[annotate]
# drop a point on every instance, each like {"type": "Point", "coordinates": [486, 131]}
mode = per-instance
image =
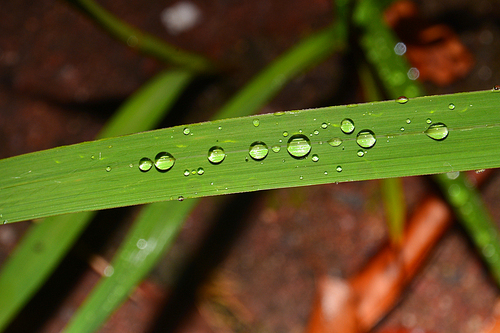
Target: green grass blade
{"type": "Point", "coordinates": [105, 173]}
{"type": "Point", "coordinates": [395, 208]}
{"type": "Point", "coordinates": [168, 216]}
{"type": "Point", "coordinates": [465, 201]}
{"type": "Point", "coordinates": [38, 254]}
{"type": "Point", "coordinates": [141, 41]}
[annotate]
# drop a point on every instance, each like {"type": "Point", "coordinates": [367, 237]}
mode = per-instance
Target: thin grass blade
{"type": "Point", "coordinates": [135, 258]}
{"type": "Point", "coordinates": [38, 254]}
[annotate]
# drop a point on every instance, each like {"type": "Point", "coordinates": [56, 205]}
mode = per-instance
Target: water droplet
{"type": "Point", "coordinates": [496, 88]}
{"type": "Point", "coordinates": [276, 148]}
{"type": "Point", "coordinates": [180, 198]}
{"type": "Point", "coordinates": [402, 129]}
{"type": "Point", "coordinates": [200, 171]}
{"type": "Point", "coordinates": [186, 131]}
{"type": "Point", "coordinates": [408, 121]}
{"type": "Point", "coordinates": [339, 168]}
{"type": "Point", "coordinates": [335, 142]}
{"type": "Point", "coordinates": [220, 127]}
{"type": "Point", "coordinates": [437, 131]}
{"type": "Point", "coordinates": [360, 153]}
{"type": "Point", "coordinates": [256, 122]}
{"type": "Point", "coordinates": [299, 146]}
{"type": "Point", "coordinates": [453, 174]}
{"type": "Point", "coordinates": [131, 165]}
{"type": "Point", "coordinates": [216, 155]}
{"type": "Point", "coordinates": [164, 161]}
{"type": "Point", "coordinates": [301, 177]}
{"type": "Point", "coordinates": [315, 158]}
{"type": "Point", "coordinates": [316, 132]}
{"type": "Point", "coordinates": [92, 157]}
{"type": "Point", "coordinates": [324, 125]}
{"type": "Point", "coordinates": [186, 172]}
{"type": "Point", "coordinates": [366, 139]}
{"type": "Point", "coordinates": [141, 244]}
{"type": "Point", "coordinates": [279, 113]}
{"type": "Point", "coordinates": [285, 134]}
{"type": "Point", "coordinates": [145, 164]}
{"type": "Point", "coordinates": [451, 106]}
{"type": "Point", "coordinates": [402, 100]}
{"type": "Point", "coordinates": [326, 172]}
{"type": "Point", "coordinates": [258, 150]}
{"type": "Point", "coordinates": [428, 121]}
{"type": "Point", "coordinates": [347, 126]}
{"type": "Point", "coordinates": [4, 222]}
{"type": "Point", "coordinates": [400, 48]}
{"type": "Point", "coordinates": [108, 271]}
{"type": "Point", "coordinates": [480, 171]}
{"type": "Point", "coordinates": [108, 168]}
{"type": "Point", "coordinates": [193, 172]}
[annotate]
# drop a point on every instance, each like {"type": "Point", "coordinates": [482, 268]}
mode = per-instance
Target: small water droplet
{"type": "Point", "coordinates": [339, 168]}
{"type": "Point", "coordinates": [180, 198]}
{"type": "Point", "coordinates": [108, 168]}
{"type": "Point", "coordinates": [141, 244]}
{"type": "Point", "coordinates": [316, 132]}
{"type": "Point", "coordinates": [301, 177]}
{"type": "Point", "coordinates": [366, 139]}
{"type": "Point", "coordinates": [451, 106]}
{"type": "Point", "coordinates": [4, 222]}
{"type": "Point", "coordinates": [186, 172]}
{"type": "Point", "coordinates": [256, 122]}
{"type": "Point", "coordinates": [220, 127]}
{"type": "Point", "coordinates": [164, 161]}
{"type": "Point", "coordinates": [496, 88]}
{"type": "Point", "coordinates": [276, 148]}
{"type": "Point", "coordinates": [347, 126]}
{"type": "Point", "coordinates": [186, 131]}
{"type": "Point", "coordinates": [145, 164]}
{"type": "Point", "coordinates": [200, 171]}
{"type": "Point", "coordinates": [258, 150]}
{"type": "Point", "coordinates": [402, 100]}
{"type": "Point", "coordinates": [453, 174]}
{"type": "Point", "coordinates": [326, 172]}
{"type": "Point", "coordinates": [335, 142]}
{"type": "Point", "coordinates": [216, 155]}
{"type": "Point", "coordinates": [402, 129]}
{"type": "Point", "coordinates": [480, 171]}
{"type": "Point", "coordinates": [92, 157]}
{"type": "Point", "coordinates": [437, 131]}
{"type": "Point", "coordinates": [285, 134]}
{"type": "Point", "coordinates": [131, 165]}
{"type": "Point", "coordinates": [279, 113]}
{"type": "Point", "coordinates": [428, 120]}
{"type": "Point", "coordinates": [408, 121]}
{"type": "Point", "coordinates": [324, 125]}
{"type": "Point", "coordinates": [299, 146]}
{"type": "Point", "coordinates": [108, 271]}
{"type": "Point", "coordinates": [193, 172]}
{"type": "Point", "coordinates": [315, 158]}
{"type": "Point", "coordinates": [360, 153]}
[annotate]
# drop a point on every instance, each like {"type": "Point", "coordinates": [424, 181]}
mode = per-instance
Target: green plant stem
{"type": "Point", "coordinates": [143, 42]}
{"type": "Point", "coordinates": [38, 254]}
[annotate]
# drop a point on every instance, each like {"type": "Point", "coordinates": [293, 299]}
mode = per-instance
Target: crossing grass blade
{"type": "Point", "coordinates": [37, 255]}
{"type": "Point", "coordinates": [105, 173]}
{"type": "Point", "coordinates": [132, 262]}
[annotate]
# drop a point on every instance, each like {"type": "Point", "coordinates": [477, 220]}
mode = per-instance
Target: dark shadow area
{"type": "Point", "coordinates": [214, 249]}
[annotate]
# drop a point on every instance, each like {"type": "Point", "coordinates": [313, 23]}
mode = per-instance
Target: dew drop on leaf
{"type": "Point", "coordinates": [299, 146]}
{"type": "Point", "coordinates": [200, 171]}
{"type": "Point", "coordinates": [276, 148]}
{"type": "Point", "coordinates": [339, 168]}
{"type": "Point", "coordinates": [164, 161]}
{"type": "Point", "coordinates": [186, 131]}
{"type": "Point", "coordinates": [316, 132]}
{"type": "Point", "coordinates": [258, 150]}
{"type": "Point", "coordinates": [402, 100]}
{"type": "Point", "coordinates": [335, 142]}
{"type": "Point", "coordinates": [186, 172]}
{"type": "Point", "coordinates": [408, 121]}
{"type": "Point", "coordinates": [145, 164]}
{"type": "Point", "coordinates": [451, 106]}
{"type": "Point", "coordinates": [347, 126]}
{"type": "Point", "coordinates": [437, 131]}
{"type": "Point", "coordinates": [496, 88]}
{"type": "Point", "coordinates": [324, 125]}
{"type": "Point", "coordinates": [285, 134]}
{"type": "Point", "coordinates": [180, 198]}
{"type": "Point", "coordinates": [366, 139]}
{"type": "Point", "coordinates": [360, 153]}
{"type": "Point", "coordinates": [216, 155]}
{"type": "Point", "coordinates": [256, 122]}
{"type": "Point", "coordinates": [108, 169]}
{"type": "Point", "coordinates": [428, 120]}
{"type": "Point", "coordinates": [315, 158]}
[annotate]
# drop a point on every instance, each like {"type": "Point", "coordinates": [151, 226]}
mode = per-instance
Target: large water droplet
{"type": "Point", "coordinates": [335, 142]}
{"type": "Point", "coordinates": [216, 155]}
{"type": "Point", "coordinates": [437, 131]}
{"type": "Point", "coordinates": [366, 139]}
{"type": "Point", "coordinates": [347, 126]}
{"type": "Point", "coordinates": [256, 122]}
{"type": "Point", "coordinates": [258, 150]}
{"type": "Point", "coordinates": [145, 164]}
{"type": "Point", "coordinates": [299, 146]}
{"type": "Point", "coordinates": [402, 100]}
{"type": "Point", "coordinates": [164, 161]}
